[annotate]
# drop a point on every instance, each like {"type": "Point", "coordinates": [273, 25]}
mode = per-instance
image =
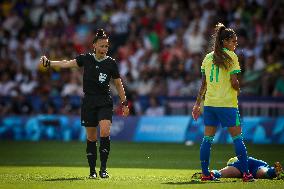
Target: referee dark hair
{"type": "Point", "coordinates": [97, 104]}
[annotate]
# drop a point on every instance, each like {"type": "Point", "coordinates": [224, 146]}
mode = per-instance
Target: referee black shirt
{"type": "Point", "coordinates": [97, 74]}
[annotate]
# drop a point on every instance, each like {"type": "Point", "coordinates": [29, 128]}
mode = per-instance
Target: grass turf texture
{"type": "Point", "coordinates": [132, 165]}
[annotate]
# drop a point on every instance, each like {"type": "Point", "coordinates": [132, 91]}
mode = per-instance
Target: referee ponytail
{"type": "Point", "coordinates": [220, 57]}
{"type": "Point", "coordinates": [100, 35]}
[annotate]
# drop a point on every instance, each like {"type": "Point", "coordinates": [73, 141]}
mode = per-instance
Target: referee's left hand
{"type": "Point", "coordinates": [125, 110]}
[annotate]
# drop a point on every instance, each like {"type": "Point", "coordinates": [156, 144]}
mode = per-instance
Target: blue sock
{"type": "Point", "coordinates": [205, 149]}
{"type": "Point", "coordinates": [241, 152]}
{"type": "Point", "coordinates": [270, 173]}
{"type": "Point", "coordinates": [216, 173]}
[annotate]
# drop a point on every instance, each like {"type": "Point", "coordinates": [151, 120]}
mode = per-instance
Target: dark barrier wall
{"type": "Point", "coordinates": [139, 129]}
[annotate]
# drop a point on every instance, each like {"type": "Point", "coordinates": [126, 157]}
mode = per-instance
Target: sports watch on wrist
{"type": "Point", "coordinates": [124, 103]}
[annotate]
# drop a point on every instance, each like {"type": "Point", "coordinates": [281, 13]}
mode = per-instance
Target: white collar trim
{"type": "Point", "coordinates": [100, 59]}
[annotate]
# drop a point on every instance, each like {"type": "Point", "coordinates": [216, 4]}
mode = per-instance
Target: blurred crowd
{"type": "Point", "coordinates": [158, 44]}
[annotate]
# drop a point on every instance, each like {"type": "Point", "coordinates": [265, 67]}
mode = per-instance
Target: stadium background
{"type": "Point", "coordinates": [159, 46]}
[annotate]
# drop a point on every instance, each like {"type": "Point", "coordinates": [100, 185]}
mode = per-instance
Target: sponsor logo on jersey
{"type": "Point", "coordinates": [102, 77]}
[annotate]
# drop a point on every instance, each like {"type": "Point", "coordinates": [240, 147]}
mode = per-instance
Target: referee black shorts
{"type": "Point", "coordinates": [95, 109]}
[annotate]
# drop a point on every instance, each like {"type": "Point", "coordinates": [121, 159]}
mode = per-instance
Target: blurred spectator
{"type": "Point", "coordinates": [47, 106]}
{"type": "Point", "coordinates": [158, 45]}
{"type": "Point", "coordinates": [279, 87]}
{"type": "Point", "coordinates": [21, 106]}
{"type": "Point", "coordinates": [137, 108]}
{"type": "Point", "coordinates": [155, 109]}
{"type": "Point", "coordinates": [27, 84]}
{"type": "Point", "coordinates": [174, 84]}
{"type": "Point", "coordinates": [68, 108]}
{"type": "Point", "coordinates": [160, 87]}
{"type": "Point", "coordinates": [72, 88]}
{"type": "Point", "coordinates": [4, 107]}
{"type": "Point", "coordinates": [250, 84]}
{"type": "Point", "coordinates": [145, 85]}
{"type": "Point", "coordinates": [31, 60]}
{"type": "Point", "coordinates": [194, 40]}
{"type": "Point", "coordinates": [270, 74]}
{"type": "Point", "coordinates": [7, 85]}
{"type": "Point", "coordinates": [191, 85]}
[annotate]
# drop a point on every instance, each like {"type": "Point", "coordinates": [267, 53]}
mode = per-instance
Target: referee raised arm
{"type": "Point", "coordinates": [97, 104]}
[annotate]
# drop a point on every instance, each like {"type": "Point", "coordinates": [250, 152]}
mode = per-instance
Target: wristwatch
{"type": "Point", "coordinates": [124, 103]}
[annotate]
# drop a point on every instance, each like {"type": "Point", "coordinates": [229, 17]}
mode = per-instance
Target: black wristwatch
{"type": "Point", "coordinates": [124, 103]}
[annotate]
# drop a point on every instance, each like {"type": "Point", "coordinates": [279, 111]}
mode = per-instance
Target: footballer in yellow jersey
{"type": "Point", "coordinates": [221, 100]}
{"type": "Point", "coordinates": [220, 92]}
{"type": "Point", "coordinates": [220, 87]}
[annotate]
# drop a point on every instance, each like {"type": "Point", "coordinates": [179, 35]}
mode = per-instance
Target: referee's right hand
{"type": "Point", "coordinates": [44, 61]}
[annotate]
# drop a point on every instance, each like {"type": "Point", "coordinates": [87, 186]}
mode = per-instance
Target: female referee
{"type": "Point", "coordinates": [97, 105]}
{"type": "Point", "coordinates": [221, 87]}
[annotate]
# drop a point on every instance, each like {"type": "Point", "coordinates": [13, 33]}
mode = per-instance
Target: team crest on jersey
{"type": "Point", "coordinates": [102, 77]}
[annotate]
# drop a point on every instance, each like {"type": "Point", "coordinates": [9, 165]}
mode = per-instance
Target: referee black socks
{"type": "Point", "coordinates": [104, 151]}
{"type": "Point", "coordinates": [91, 151]}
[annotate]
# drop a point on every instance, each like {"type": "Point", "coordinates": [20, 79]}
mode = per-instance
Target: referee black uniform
{"type": "Point", "coordinates": [97, 103]}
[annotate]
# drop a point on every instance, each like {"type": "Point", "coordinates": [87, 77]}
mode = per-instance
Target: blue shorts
{"type": "Point", "coordinates": [227, 117]}
{"type": "Point", "coordinates": [253, 165]}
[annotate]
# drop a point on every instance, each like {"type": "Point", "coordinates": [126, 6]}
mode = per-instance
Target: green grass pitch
{"type": "Point", "coordinates": [35, 165]}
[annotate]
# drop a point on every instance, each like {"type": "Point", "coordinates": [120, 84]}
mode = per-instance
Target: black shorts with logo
{"type": "Point", "coordinates": [96, 108]}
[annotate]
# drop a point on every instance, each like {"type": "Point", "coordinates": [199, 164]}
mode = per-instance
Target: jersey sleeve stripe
{"type": "Point", "coordinates": [235, 71]}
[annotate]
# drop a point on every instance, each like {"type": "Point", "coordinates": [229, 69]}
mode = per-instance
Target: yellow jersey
{"type": "Point", "coordinates": [219, 92]}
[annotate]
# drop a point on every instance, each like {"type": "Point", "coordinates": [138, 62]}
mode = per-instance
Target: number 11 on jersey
{"type": "Point", "coordinates": [212, 73]}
